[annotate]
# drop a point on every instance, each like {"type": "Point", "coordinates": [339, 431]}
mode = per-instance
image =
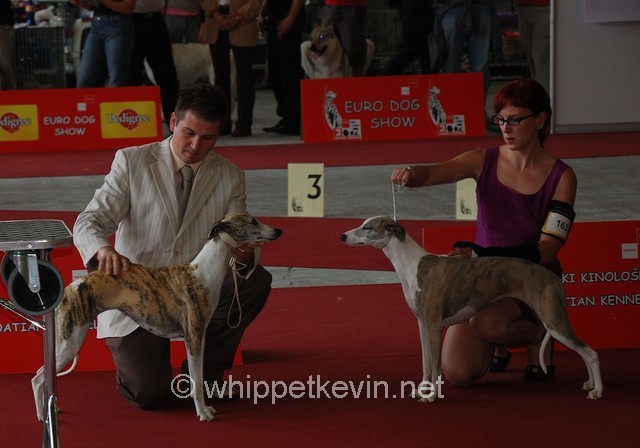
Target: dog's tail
{"type": "Point", "coordinates": [545, 341]}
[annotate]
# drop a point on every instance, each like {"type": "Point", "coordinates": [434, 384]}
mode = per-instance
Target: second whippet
{"type": "Point", "coordinates": [173, 301]}
{"type": "Point", "coordinates": [443, 291]}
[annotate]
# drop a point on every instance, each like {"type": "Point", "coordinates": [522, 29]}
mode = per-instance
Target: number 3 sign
{"type": "Point", "coordinates": [306, 189]}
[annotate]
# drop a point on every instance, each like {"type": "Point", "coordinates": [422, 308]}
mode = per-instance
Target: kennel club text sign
{"type": "Point", "coordinates": [78, 119]}
{"type": "Point", "coordinates": [601, 264]}
{"type": "Point", "coordinates": [392, 107]}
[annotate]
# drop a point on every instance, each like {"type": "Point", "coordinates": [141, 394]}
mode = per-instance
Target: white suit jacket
{"type": "Point", "coordinates": [138, 201]}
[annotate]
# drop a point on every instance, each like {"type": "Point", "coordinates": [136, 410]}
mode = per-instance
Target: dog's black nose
{"type": "Point", "coordinates": [343, 237]}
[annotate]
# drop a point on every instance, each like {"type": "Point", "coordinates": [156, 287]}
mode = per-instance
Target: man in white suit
{"type": "Point", "coordinates": [139, 202]}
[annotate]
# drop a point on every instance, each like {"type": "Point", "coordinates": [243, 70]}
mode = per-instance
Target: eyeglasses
{"type": "Point", "coordinates": [511, 121]}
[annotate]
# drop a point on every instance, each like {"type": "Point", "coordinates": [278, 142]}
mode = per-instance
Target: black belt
{"type": "Point", "coordinates": [147, 15]}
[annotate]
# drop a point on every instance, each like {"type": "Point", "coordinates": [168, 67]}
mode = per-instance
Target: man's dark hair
{"type": "Point", "coordinates": [205, 101]}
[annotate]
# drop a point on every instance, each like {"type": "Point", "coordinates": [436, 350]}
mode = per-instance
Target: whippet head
{"type": "Point", "coordinates": [374, 232]}
{"type": "Point", "coordinates": [243, 229]}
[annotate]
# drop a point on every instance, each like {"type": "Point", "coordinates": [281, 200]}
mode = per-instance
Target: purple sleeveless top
{"type": "Point", "coordinates": [509, 218]}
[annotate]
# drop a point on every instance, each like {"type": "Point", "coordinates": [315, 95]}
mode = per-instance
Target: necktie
{"type": "Point", "coordinates": [186, 172]}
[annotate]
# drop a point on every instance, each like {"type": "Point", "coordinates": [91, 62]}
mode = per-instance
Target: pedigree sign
{"type": "Point", "coordinates": [78, 119]}
{"type": "Point", "coordinates": [392, 107]}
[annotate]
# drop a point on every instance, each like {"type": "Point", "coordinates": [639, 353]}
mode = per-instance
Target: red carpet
{"type": "Point", "coordinates": [361, 334]}
{"type": "Point", "coordinates": [331, 154]}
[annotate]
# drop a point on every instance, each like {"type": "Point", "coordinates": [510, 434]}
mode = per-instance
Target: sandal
{"type": "Point", "coordinates": [499, 363]}
{"type": "Point", "coordinates": [534, 373]}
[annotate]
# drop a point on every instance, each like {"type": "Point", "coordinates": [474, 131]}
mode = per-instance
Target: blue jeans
{"type": "Point", "coordinates": [107, 52]}
{"type": "Point", "coordinates": [478, 42]}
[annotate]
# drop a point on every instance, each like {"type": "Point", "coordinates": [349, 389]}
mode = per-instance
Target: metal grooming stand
{"type": "Point", "coordinates": [35, 288]}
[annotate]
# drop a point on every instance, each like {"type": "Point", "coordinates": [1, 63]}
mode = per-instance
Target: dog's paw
{"type": "Point", "coordinates": [594, 394]}
{"type": "Point", "coordinates": [206, 414]}
{"type": "Point", "coordinates": [588, 385]}
{"type": "Point", "coordinates": [423, 397]}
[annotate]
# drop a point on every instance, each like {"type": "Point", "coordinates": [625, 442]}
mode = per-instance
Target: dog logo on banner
{"type": "Point", "coordinates": [334, 120]}
{"type": "Point", "coordinates": [454, 125]}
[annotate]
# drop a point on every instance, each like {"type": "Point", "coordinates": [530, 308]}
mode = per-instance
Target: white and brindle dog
{"type": "Point", "coordinates": [443, 291]}
{"type": "Point", "coordinates": [173, 301]}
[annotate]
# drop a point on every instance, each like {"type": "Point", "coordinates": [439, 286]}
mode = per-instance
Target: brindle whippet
{"type": "Point", "coordinates": [174, 301]}
{"type": "Point", "coordinates": [443, 291]}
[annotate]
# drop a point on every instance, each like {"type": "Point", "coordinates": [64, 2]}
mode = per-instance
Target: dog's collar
{"type": "Point", "coordinates": [227, 239]}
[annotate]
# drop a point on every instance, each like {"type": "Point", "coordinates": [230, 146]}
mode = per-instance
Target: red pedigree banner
{"type": "Point", "coordinates": [601, 277]}
{"type": "Point", "coordinates": [392, 107]}
{"type": "Point", "coordinates": [78, 119]}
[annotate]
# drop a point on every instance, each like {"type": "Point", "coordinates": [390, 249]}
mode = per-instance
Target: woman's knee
{"type": "Point", "coordinates": [460, 375]}
{"type": "Point", "coordinates": [487, 326]}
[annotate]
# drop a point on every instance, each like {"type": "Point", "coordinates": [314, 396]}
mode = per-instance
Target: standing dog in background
{"type": "Point", "coordinates": [443, 291]}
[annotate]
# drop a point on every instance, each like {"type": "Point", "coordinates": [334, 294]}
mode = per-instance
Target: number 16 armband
{"type": "Point", "coordinates": [559, 221]}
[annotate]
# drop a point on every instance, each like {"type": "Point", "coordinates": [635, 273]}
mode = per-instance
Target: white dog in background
{"type": "Point", "coordinates": [193, 64]}
{"type": "Point", "coordinates": [324, 57]}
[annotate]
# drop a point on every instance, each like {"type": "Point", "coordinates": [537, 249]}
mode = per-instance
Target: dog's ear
{"type": "Point", "coordinates": [217, 228]}
{"type": "Point", "coordinates": [397, 230]}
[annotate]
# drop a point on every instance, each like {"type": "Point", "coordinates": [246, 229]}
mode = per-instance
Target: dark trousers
{"type": "Point", "coordinates": [142, 360]}
{"type": "Point", "coordinates": [285, 71]}
{"type": "Point", "coordinates": [152, 42]}
{"type": "Point", "coordinates": [416, 20]}
{"type": "Point", "coordinates": [220, 56]}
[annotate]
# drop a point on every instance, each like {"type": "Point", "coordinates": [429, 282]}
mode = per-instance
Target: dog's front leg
{"type": "Point", "coordinates": [195, 354]}
{"type": "Point", "coordinates": [425, 391]}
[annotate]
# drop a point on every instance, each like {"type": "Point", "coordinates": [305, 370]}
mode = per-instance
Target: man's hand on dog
{"type": "Point", "coordinates": [111, 262]}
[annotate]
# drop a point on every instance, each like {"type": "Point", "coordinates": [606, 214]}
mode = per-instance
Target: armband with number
{"type": "Point", "coordinates": [559, 221]}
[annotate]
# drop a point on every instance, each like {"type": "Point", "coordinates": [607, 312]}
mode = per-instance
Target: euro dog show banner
{"type": "Point", "coordinates": [379, 108]}
{"type": "Point", "coordinates": [78, 119]}
{"type": "Point", "coordinates": [601, 277]}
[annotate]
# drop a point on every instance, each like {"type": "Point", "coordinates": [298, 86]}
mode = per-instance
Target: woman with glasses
{"type": "Point", "coordinates": [525, 198]}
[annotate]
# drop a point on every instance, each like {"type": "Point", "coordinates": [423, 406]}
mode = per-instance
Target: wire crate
{"type": "Point", "coordinates": [39, 58]}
